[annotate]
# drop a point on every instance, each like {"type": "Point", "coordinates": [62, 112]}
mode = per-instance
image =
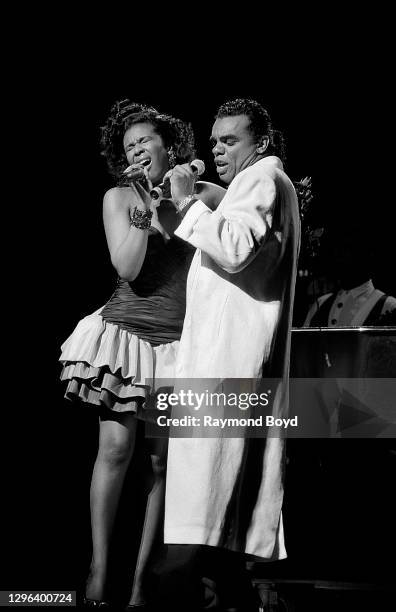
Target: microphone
{"type": "Point", "coordinates": [135, 172]}
{"type": "Point", "coordinates": [197, 165]}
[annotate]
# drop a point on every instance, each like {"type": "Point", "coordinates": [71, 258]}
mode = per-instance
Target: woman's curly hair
{"type": "Point", "coordinates": [175, 133]}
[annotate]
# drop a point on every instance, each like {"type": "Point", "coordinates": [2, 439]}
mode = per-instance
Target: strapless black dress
{"type": "Point", "coordinates": [115, 355]}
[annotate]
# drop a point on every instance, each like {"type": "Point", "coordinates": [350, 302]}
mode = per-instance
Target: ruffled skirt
{"type": "Point", "coordinates": [113, 368]}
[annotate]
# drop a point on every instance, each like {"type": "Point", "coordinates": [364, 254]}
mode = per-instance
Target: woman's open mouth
{"type": "Point", "coordinates": [134, 170]}
{"type": "Point", "coordinates": [145, 163]}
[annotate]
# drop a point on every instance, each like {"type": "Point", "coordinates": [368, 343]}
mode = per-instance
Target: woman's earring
{"type": "Point", "coordinates": [172, 158]}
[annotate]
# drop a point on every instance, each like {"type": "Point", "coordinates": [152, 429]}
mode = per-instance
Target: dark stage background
{"type": "Point", "coordinates": [340, 521]}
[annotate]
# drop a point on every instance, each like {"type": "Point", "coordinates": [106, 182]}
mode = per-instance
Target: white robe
{"type": "Point", "coordinates": [228, 491]}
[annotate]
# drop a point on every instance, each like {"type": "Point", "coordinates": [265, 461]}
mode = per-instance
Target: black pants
{"type": "Point", "coordinates": [192, 578]}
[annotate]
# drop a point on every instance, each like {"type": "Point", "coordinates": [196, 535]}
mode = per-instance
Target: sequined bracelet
{"type": "Point", "coordinates": [141, 218]}
{"type": "Point", "coordinates": [182, 204]}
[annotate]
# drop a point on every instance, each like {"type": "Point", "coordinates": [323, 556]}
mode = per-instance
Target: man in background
{"type": "Point", "coordinates": [357, 302]}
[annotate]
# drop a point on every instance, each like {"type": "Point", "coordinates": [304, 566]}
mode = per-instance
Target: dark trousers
{"type": "Point", "coordinates": [192, 578]}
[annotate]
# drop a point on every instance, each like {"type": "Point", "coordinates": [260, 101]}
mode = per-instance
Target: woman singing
{"type": "Point", "coordinates": [114, 352]}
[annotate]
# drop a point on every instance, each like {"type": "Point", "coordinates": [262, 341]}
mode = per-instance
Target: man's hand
{"type": "Point", "coordinates": [182, 180]}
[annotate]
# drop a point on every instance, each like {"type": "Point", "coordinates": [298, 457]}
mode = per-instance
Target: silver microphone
{"type": "Point", "coordinates": [135, 172]}
{"type": "Point", "coordinates": [197, 166]}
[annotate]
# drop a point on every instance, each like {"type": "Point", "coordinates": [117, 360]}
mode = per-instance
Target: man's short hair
{"type": "Point", "coordinates": [260, 122]}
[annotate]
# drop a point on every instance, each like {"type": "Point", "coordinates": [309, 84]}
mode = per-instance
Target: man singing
{"type": "Point", "coordinates": [224, 495]}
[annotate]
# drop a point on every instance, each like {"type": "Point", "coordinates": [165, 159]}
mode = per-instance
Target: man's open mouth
{"type": "Point", "coordinates": [221, 166]}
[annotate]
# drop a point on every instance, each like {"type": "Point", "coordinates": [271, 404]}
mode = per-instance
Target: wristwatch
{"type": "Point", "coordinates": [182, 204]}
